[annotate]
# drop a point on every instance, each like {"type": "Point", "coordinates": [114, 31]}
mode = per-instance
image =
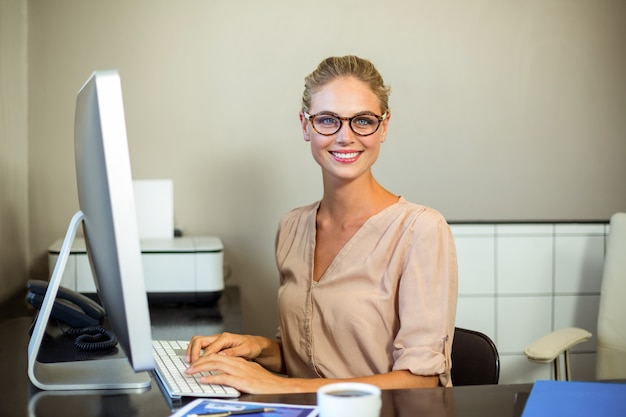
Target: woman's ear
{"type": "Point", "coordinates": [383, 126]}
{"type": "Point", "coordinates": [305, 127]}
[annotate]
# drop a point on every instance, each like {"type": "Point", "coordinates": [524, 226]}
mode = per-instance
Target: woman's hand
{"type": "Point", "coordinates": [248, 347]}
{"type": "Point", "coordinates": [266, 352]}
{"type": "Point", "coordinates": [239, 373]}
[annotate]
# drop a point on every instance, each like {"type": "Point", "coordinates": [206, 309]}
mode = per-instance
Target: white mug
{"type": "Point", "coordinates": [345, 399]}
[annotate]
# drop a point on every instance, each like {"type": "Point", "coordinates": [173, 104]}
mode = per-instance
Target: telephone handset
{"type": "Point", "coordinates": [83, 316]}
{"type": "Point", "coordinates": [71, 308]}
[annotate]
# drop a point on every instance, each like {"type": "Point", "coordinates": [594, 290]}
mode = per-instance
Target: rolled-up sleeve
{"type": "Point", "coordinates": [427, 300]}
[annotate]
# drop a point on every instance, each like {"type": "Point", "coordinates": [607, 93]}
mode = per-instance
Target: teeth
{"type": "Point", "coordinates": [345, 155]}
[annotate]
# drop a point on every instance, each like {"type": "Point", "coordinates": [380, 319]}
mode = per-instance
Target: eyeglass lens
{"type": "Point", "coordinates": [328, 124]}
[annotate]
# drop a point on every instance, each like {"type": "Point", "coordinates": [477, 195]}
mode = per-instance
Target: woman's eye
{"type": "Point", "coordinates": [364, 121]}
{"type": "Point", "coordinates": [326, 120]}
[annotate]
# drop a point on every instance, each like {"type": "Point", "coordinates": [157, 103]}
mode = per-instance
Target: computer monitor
{"type": "Point", "coordinates": [108, 217]}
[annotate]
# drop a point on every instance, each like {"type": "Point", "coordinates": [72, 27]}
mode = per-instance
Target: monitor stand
{"type": "Point", "coordinates": [96, 374]}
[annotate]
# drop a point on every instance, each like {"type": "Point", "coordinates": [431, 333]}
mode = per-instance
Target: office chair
{"type": "Point", "coordinates": [611, 348]}
{"type": "Point", "coordinates": [475, 359]}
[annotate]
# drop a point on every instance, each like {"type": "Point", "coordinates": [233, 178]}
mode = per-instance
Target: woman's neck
{"type": "Point", "coordinates": [359, 199]}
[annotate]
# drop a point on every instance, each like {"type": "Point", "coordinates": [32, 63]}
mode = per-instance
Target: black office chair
{"type": "Point", "coordinates": [475, 359]}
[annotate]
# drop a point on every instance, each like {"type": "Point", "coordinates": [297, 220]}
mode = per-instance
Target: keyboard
{"type": "Point", "coordinates": [169, 356]}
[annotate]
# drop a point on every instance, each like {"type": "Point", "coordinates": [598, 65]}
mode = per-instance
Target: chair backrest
{"type": "Point", "coordinates": [611, 350]}
{"type": "Point", "coordinates": [475, 359]}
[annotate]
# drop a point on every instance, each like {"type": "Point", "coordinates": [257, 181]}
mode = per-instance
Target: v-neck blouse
{"type": "Point", "coordinates": [386, 302]}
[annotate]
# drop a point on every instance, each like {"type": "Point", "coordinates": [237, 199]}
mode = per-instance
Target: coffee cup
{"type": "Point", "coordinates": [349, 399]}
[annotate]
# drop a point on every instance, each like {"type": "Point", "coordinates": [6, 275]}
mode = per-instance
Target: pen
{"type": "Point", "coordinates": [233, 413]}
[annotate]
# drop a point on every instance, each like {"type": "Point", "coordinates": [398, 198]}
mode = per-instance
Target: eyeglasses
{"type": "Point", "coordinates": [328, 124]}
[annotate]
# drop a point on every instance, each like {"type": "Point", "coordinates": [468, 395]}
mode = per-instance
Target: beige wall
{"type": "Point", "coordinates": [502, 110]}
{"type": "Point", "coordinates": [13, 149]}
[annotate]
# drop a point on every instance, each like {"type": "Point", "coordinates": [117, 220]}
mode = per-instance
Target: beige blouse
{"type": "Point", "coordinates": [386, 302]}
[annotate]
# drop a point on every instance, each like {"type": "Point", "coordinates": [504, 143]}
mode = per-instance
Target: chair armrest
{"type": "Point", "coordinates": [547, 348]}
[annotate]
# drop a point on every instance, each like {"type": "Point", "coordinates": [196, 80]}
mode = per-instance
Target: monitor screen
{"type": "Point", "coordinates": [108, 217]}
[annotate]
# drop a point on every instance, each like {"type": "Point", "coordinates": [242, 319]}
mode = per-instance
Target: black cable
{"type": "Point", "coordinates": [93, 339]}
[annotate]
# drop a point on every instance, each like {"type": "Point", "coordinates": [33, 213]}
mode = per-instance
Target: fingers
{"type": "Point", "coordinates": [214, 362]}
{"type": "Point", "coordinates": [196, 345]}
{"type": "Point", "coordinates": [224, 370]}
{"type": "Point", "coordinates": [228, 344]}
{"type": "Point", "coordinates": [233, 371]}
{"type": "Point", "coordinates": [225, 343]}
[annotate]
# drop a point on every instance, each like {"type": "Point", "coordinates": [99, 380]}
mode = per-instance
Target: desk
{"type": "Point", "coordinates": [19, 398]}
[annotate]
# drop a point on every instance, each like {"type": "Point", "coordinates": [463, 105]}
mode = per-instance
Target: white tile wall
{"type": "Point", "coordinates": [477, 313]}
{"type": "Point", "coordinates": [520, 281]}
{"type": "Point", "coordinates": [579, 256]}
{"type": "Point", "coordinates": [476, 259]}
{"type": "Point", "coordinates": [521, 320]}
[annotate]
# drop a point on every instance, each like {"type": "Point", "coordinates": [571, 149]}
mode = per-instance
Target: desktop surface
{"type": "Point", "coordinates": [18, 397]}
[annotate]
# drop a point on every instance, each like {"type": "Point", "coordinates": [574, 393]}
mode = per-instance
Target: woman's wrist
{"type": "Point", "coordinates": [270, 355]}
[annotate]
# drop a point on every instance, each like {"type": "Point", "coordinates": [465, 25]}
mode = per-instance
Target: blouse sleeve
{"type": "Point", "coordinates": [427, 299]}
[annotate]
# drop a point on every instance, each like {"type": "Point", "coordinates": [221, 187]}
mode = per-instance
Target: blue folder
{"type": "Point", "coordinates": [575, 398]}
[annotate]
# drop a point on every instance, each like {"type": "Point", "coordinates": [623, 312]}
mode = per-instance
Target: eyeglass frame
{"type": "Point", "coordinates": [310, 117]}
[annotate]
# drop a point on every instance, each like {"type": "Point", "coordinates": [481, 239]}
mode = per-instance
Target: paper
{"type": "Point", "coordinates": [154, 203]}
{"type": "Point", "coordinates": [575, 398]}
{"type": "Point", "coordinates": [203, 406]}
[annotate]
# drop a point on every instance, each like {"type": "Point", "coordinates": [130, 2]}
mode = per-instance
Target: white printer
{"type": "Point", "coordinates": [178, 269]}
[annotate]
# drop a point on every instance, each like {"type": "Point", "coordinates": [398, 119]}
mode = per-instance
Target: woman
{"type": "Point", "coordinates": [368, 281]}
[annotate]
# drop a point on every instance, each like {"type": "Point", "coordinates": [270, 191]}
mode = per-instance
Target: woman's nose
{"type": "Point", "coordinates": [345, 134]}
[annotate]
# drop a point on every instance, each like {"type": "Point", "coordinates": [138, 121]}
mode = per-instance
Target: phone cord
{"type": "Point", "coordinates": [92, 339]}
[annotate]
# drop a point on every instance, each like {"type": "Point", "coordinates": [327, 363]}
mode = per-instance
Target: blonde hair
{"type": "Point", "coordinates": [345, 66]}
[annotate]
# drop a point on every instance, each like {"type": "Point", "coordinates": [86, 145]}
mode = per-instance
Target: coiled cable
{"type": "Point", "coordinates": [93, 339]}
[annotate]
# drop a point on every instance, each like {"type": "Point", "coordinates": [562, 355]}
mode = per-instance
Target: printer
{"type": "Point", "coordinates": [177, 269]}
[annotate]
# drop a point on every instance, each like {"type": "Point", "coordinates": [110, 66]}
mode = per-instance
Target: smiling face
{"type": "Point", "coordinates": [344, 155]}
